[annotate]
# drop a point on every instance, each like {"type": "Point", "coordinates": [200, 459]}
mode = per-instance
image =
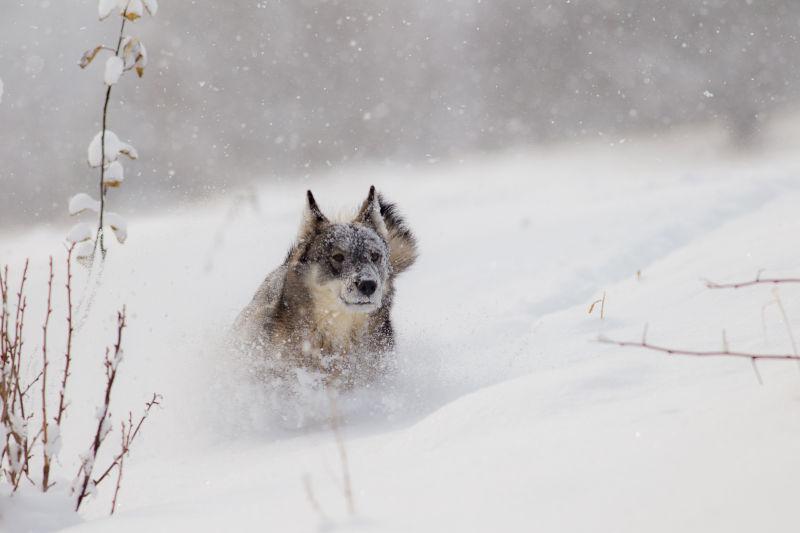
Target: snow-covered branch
{"type": "Point", "coordinates": [84, 484]}
{"type": "Point", "coordinates": [26, 432]}
{"type": "Point", "coordinates": [106, 147]}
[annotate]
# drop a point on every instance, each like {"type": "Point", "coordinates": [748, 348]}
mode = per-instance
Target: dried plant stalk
{"type": "Point", "coordinates": [347, 487]}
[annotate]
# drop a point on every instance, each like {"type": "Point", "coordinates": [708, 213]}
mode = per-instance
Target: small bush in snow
{"type": "Point", "coordinates": [30, 432]}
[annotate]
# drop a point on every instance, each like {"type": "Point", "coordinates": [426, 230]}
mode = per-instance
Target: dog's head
{"type": "Point", "coordinates": [350, 264]}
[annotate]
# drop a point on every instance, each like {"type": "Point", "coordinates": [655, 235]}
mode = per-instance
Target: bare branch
{"type": "Point", "coordinates": [30, 385]}
{"type": "Point", "coordinates": [45, 440]}
{"type": "Point", "coordinates": [700, 353]}
{"type": "Point", "coordinates": [100, 237]}
{"type": "Point", "coordinates": [757, 281]}
{"type": "Point", "coordinates": [87, 465]}
{"type": "Point", "coordinates": [62, 406]}
{"type": "Point", "coordinates": [785, 321]}
{"type": "Point", "coordinates": [125, 432]}
{"type": "Point", "coordinates": [155, 400]}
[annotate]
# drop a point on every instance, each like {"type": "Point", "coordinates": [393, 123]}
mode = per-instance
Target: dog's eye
{"type": "Point", "coordinates": [338, 257]}
{"type": "Point", "coordinates": [375, 257]}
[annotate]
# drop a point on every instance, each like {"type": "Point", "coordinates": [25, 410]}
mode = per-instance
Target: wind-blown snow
{"type": "Point", "coordinates": [504, 414]}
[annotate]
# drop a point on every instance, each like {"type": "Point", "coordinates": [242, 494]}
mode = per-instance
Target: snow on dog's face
{"type": "Point", "coordinates": [348, 262]}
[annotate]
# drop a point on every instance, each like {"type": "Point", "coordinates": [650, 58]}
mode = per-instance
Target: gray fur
{"type": "Point", "coordinates": [327, 308]}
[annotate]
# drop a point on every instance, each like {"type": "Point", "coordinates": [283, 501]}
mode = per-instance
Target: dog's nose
{"type": "Point", "coordinates": [367, 287]}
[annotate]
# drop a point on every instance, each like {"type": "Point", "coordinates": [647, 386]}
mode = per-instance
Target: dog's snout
{"type": "Point", "coordinates": [367, 287]}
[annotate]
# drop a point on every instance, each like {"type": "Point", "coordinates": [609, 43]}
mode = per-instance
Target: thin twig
{"type": "Point", "coordinates": [23, 444]}
{"type": "Point", "coordinates": [125, 432]}
{"type": "Point", "coordinates": [786, 321]}
{"type": "Point", "coordinates": [757, 281]}
{"type": "Point", "coordinates": [335, 427]}
{"type": "Point", "coordinates": [312, 499]}
{"type": "Point", "coordinates": [62, 406]}
{"type": "Point", "coordinates": [756, 371]}
{"type": "Point", "coordinates": [30, 385]}
{"type": "Point", "coordinates": [700, 353]}
{"type": "Point", "coordinates": [111, 364]}
{"type": "Point", "coordinates": [19, 342]}
{"type": "Point", "coordinates": [155, 400]}
{"type": "Point", "coordinates": [100, 236]}
{"type": "Point", "coordinates": [45, 440]}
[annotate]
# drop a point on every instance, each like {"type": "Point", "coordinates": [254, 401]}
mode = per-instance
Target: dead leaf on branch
{"type": "Point", "coordinates": [89, 55]}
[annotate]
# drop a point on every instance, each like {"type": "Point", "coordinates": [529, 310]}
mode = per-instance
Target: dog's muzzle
{"type": "Point", "coordinates": [362, 296]}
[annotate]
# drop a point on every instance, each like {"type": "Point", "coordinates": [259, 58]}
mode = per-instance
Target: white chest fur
{"type": "Point", "coordinates": [334, 327]}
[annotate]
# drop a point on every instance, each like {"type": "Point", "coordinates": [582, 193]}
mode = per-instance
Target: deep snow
{"type": "Point", "coordinates": [505, 414]}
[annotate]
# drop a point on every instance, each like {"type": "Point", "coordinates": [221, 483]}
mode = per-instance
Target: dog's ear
{"type": "Point", "coordinates": [313, 218]}
{"type": "Point", "coordinates": [402, 243]}
{"type": "Point", "coordinates": [313, 212]}
{"type": "Point", "coordinates": [370, 214]}
{"type": "Point", "coordinates": [313, 221]}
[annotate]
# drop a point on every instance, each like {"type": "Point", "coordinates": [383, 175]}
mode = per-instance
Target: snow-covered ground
{"type": "Point", "coordinates": [506, 415]}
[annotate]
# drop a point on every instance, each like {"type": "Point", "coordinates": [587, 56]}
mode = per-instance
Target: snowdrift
{"type": "Point", "coordinates": [505, 414]}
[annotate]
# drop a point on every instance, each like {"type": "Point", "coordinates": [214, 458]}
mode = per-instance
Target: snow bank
{"type": "Point", "coordinates": [503, 413]}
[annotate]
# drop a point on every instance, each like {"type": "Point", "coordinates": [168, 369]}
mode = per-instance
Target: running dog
{"type": "Point", "coordinates": [327, 308]}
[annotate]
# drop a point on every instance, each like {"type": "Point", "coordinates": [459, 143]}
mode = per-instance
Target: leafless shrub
{"type": "Point", "coordinates": [14, 418]}
{"type": "Point", "coordinates": [725, 351]}
{"type": "Point", "coordinates": [17, 419]}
